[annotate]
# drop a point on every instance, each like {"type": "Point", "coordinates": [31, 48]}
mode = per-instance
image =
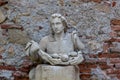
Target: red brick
{"type": "Point", "coordinates": [115, 22]}
{"type": "Point", "coordinates": [0, 56]}
{"type": "Point", "coordinates": [87, 66]}
{"type": "Point", "coordinates": [91, 65]}
{"type": "Point", "coordinates": [18, 75]}
{"type": "Point", "coordinates": [115, 27]}
{"type": "Point", "coordinates": [108, 3]}
{"type": "Point", "coordinates": [118, 76]}
{"type": "Point", "coordinates": [91, 60]}
{"type": "Point", "coordinates": [112, 76]}
{"type": "Point", "coordinates": [101, 60]}
{"type": "Point", "coordinates": [85, 76]}
{"type": "Point", "coordinates": [3, 2]}
{"type": "Point", "coordinates": [11, 26]}
{"type": "Point", "coordinates": [93, 55]}
{"type": "Point", "coordinates": [7, 68]}
{"type": "Point", "coordinates": [109, 41]}
{"type": "Point", "coordinates": [113, 71]}
{"type": "Point", "coordinates": [21, 78]}
{"type": "Point", "coordinates": [82, 65]}
{"type": "Point", "coordinates": [115, 50]}
{"type": "Point", "coordinates": [108, 55]}
{"type": "Point", "coordinates": [24, 69]}
{"type": "Point", "coordinates": [85, 70]}
{"type": "Point", "coordinates": [113, 4]}
{"type": "Point", "coordinates": [113, 34]}
{"type": "Point", "coordinates": [98, 1]}
{"type": "Point", "coordinates": [27, 64]}
{"type": "Point", "coordinates": [117, 65]}
{"type": "Point", "coordinates": [115, 60]}
{"type": "Point", "coordinates": [105, 66]}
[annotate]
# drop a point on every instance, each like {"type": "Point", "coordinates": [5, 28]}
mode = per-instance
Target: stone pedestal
{"type": "Point", "coordinates": [48, 72]}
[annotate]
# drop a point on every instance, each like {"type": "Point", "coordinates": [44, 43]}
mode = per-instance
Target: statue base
{"type": "Point", "coordinates": [49, 72]}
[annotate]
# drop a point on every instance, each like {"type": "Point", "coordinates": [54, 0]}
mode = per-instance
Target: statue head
{"type": "Point", "coordinates": [58, 21]}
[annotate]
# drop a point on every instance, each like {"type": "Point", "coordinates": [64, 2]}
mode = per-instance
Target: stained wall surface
{"type": "Point", "coordinates": [96, 21]}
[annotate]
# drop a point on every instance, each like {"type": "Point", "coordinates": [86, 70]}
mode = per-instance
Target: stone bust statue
{"type": "Point", "coordinates": [58, 48]}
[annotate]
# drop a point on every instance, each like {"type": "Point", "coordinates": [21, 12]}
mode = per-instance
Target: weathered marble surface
{"type": "Point", "coordinates": [48, 72]}
{"type": "Point", "coordinates": [59, 48]}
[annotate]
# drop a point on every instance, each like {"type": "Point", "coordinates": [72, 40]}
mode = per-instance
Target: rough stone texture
{"type": "Point", "coordinates": [90, 17]}
{"type": "Point", "coordinates": [17, 36]}
{"type": "Point", "coordinates": [2, 17]}
{"type": "Point", "coordinates": [92, 20]}
{"type": "Point", "coordinates": [102, 66]}
{"type": "Point", "coordinates": [47, 72]}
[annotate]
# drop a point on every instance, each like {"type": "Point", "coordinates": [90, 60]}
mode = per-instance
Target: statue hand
{"type": "Point", "coordinates": [31, 47]}
{"type": "Point", "coordinates": [73, 54]}
{"type": "Point", "coordinates": [76, 60]}
{"type": "Point", "coordinates": [55, 61]}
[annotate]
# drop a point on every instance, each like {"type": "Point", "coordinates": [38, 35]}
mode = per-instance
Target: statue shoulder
{"type": "Point", "coordinates": [44, 39]}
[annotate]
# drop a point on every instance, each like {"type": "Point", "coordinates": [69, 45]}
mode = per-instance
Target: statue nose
{"type": "Point", "coordinates": [55, 26]}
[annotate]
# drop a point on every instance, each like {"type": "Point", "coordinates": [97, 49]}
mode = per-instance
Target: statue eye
{"type": "Point", "coordinates": [58, 23]}
{"type": "Point", "coordinates": [52, 23]}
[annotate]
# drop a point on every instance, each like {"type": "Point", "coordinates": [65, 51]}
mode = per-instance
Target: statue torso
{"type": "Point", "coordinates": [61, 46]}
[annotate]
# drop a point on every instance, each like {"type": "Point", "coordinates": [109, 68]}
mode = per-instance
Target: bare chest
{"type": "Point", "coordinates": [60, 46]}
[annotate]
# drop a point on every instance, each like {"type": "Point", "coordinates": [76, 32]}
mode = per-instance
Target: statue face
{"type": "Point", "coordinates": [57, 25]}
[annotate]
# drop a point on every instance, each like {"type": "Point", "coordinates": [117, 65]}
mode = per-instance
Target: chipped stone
{"type": "Point", "coordinates": [2, 17]}
{"type": "Point", "coordinates": [17, 36]}
{"type": "Point", "coordinates": [94, 45]}
{"type": "Point", "coordinates": [103, 7]}
{"type": "Point", "coordinates": [1, 49]}
{"type": "Point", "coordinates": [2, 38]}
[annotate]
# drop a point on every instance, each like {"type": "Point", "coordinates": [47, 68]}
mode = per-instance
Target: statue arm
{"type": "Point", "coordinates": [78, 46]}
{"type": "Point", "coordinates": [51, 60]}
{"type": "Point", "coordinates": [44, 55]}
{"type": "Point", "coordinates": [77, 59]}
{"type": "Point", "coordinates": [77, 42]}
{"type": "Point", "coordinates": [31, 50]}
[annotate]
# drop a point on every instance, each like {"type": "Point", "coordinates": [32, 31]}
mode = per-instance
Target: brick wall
{"type": "Point", "coordinates": [104, 65]}
{"type": "Point", "coordinates": [106, 62]}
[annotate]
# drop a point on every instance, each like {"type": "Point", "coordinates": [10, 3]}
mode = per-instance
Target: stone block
{"type": "Point", "coordinates": [2, 17]}
{"type": "Point", "coordinates": [17, 36]}
{"type": "Point", "coordinates": [48, 72]}
{"type": "Point", "coordinates": [103, 8]}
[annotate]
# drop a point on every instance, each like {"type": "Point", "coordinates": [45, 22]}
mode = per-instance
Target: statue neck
{"type": "Point", "coordinates": [59, 36]}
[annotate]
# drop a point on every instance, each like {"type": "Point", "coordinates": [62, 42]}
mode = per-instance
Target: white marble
{"type": "Point", "coordinates": [58, 48]}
